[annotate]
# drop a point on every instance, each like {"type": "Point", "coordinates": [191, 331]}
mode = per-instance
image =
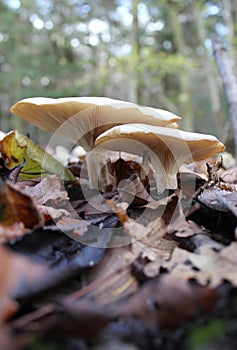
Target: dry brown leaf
{"type": "Point", "coordinates": [17, 206]}
{"type": "Point", "coordinates": [120, 210]}
{"type": "Point", "coordinates": [210, 198]}
{"type": "Point", "coordinates": [113, 278]}
{"type": "Point", "coordinates": [49, 189]}
{"type": "Point", "coordinates": [208, 266]}
{"type": "Point", "coordinates": [133, 191]}
{"type": "Point", "coordinates": [79, 227]}
{"type": "Point", "coordinates": [153, 204]}
{"type": "Point", "coordinates": [14, 271]}
{"type": "Point", "coordinates": [152, 252]}
{"type": "Point", "coordinates": [96, 206]}
{"type": "Point", "coordinates": [13, 231]}
{"type": "Point", "coordinates": [52, 213]}
{"type": "Point", "coordinates": [122, 170]}
{"type": "Point", "coordinates": [229, 175]}
{"type": "Point", "coordinates": [188, 229]}
{"type": "Point", "coordinates": [168, 302]}
{"type": "Point", "coordinates": [229, 201]}
{"type": "Point", "coordinates": [230, 253]}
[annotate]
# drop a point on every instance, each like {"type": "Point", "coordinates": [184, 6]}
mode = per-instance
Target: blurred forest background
{"type": "Point", "coordinates": [155, 52]}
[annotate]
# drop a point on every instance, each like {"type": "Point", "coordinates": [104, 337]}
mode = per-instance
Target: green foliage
{"type": "Point", "coordinates": [17, 149]}
{"type": "Point", "coordinates": [204, 335]}
{"type": "Point", "coordinates": [64, 48]}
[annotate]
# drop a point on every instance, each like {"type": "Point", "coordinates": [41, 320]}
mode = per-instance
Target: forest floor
{"type": "Point", "coordinates": [122, 268]}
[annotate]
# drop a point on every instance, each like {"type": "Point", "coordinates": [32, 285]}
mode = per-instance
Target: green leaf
{"type": "Point", "coordinates": [15, 148]}
{"type": "Point", "coordinates": [203, 335]}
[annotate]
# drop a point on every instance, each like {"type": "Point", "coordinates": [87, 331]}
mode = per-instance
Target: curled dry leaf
{"type": "Point", "coordinates": [17, 206]}
{"type": "Point", "coordinates": [229, 175]}
{"type": "Point", "coordinates": [132, 191]}
{"type": "Point", "coordinates": [52, 213]}
{"type": "Point", "coordinates": [113, 280]}
{"type": "Point", "coordinates": [151, 251]}
{"type": "Point", "coordinates": [13, 231]}
{"type": "Point", "coordinates": [15, 272]}
{"type": "Point", "coordinates": [120, 209]}
{"type": "Point", "coordinates": [48, 189]}
{"type": "Point", "coordinates": [79, 227]}
{"type": "Point", "coordinates": [168, 303]}
{"type": "Point", "coordinates": [210, 198]}
{"type": "Point", "coordinates": [123, 169]}
{"type": "Point", "coordinates": [207, 266]}
{"type": "Point", "coordinates": [188, 229]}
{"type": "Point", "coordinates": [228, 200]}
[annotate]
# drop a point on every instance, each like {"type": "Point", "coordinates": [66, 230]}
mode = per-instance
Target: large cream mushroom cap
{"type": "Point", "coordinates": [83, 119]}
{"type": "Point", "coordinates": [167, 148]}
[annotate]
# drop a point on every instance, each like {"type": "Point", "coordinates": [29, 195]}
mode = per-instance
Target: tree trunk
{"type": "Point", "coordinates": [134, 93]}
{"type": "Point", "coordinates": [227, 14]}
{"type": "Point", "coordinates": [229, 82]}
{"type": "Point", "coordinates": [210, 73]}
{"type": "Point", "coordinates": [184, 77]}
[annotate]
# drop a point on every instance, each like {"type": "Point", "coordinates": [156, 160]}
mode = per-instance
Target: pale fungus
{"type": "Point", "coordinates": [83, 119]}
{"type": "Point", "coordinates": [166, 148]}
{"type": "Point", "coordinates": [100, 123]}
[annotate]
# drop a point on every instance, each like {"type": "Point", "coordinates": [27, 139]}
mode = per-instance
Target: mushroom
{"type": "Point", "coordinates": [167, 148]}
{"type": "Point", "coordinates": [83, 119]}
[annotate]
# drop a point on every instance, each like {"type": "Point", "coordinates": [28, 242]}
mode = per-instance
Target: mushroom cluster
{"type": "Point", "coordinates": [100, 123]}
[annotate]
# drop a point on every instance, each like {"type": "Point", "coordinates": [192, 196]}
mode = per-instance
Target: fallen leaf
{"type": "Point", "coordinates": [17, 206]}
{"type": "Point", "coordinates": [15, 148]}
{"type": "Point", "coordinates": [210, 198]}
{"type": "Point", "coordinates": [113, 279]}
{"type": "Point", "coordinates": [168, 303]}
{"type": "Point", "coordinates": [152, 252]}
{"type": "Point", "coordinates": [79, 227]}
{"type": "Point", "coordinates": [15, 270]}
{"type": "Point", "coordinates": [13, 231]}
{"type": "Point", "coordinates": [230, 253]}
{"type": "Point", "coordinates": [48, 189]}
{"type": "Point", "coordinates": [188, 229]}
{"type": "Point", "coordinates": [133, 191]}
{"type": "Point", "coordinates": [229, 175]}
{"type": "Point", "coordinates": [207, 266]}
{"type": "Point", "coordinates": [120, 209]}
{"type": "Point", "coordinates": [122, 169]}
{"type": "Point", "coordinates": [52, 213]}
{"type": "Point", "coordinates": [228, 200]}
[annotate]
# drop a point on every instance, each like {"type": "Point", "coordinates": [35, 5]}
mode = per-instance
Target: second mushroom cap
{"type": "Point", "coordinates": [166, 148]}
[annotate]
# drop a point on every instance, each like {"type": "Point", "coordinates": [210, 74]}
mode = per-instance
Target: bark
{"type": "Point", "coordinates": [210, 73]}
{"type": "Point", "coordinates": [229, 82]}
{"type": "Point", "coordinates": [134, 90]}
{"type": "Point", "coordinates": [227, 14]}
{"type": "Point", "coordinates": [184, 76]}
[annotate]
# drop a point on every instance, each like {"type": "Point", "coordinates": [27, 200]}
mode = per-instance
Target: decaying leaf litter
{"type": "Point", "coordinates": [170, 266]}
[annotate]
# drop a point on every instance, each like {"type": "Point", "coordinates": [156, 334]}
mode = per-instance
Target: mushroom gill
{"type": "Point", "coordinates": [166, 148]}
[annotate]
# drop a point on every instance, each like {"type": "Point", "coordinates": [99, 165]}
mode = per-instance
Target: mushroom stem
{"type": "Point", "coordinates": [97, 169]}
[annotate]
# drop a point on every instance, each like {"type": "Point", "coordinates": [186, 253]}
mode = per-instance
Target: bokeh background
{"type": "Point", "coordinates": [157, 53]}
